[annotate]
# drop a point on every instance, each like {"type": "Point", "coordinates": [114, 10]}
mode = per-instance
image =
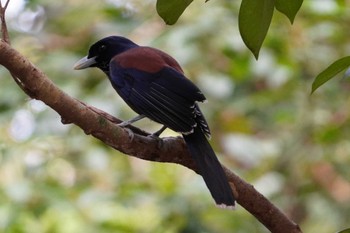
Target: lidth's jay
{"type": "Point", "coordinates": [153, 84]}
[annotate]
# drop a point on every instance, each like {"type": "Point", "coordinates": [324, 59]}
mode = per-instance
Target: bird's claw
{"type": "Point", "coordinates": [156, 137]}
{"type": "Point", "coordinates": [130, 133]}
{"type": "Point", "coordinates": [129, 122]}
{"type": "Point", "coordinates": [123, 124]}
{"type": "Point", "coordinates": [159, 132]}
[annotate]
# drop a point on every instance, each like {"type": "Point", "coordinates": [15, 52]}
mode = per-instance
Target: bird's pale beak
{"type": "Point", "coordinates": [85, 62]}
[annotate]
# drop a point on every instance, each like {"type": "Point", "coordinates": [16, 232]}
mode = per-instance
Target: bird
{"type": "Point", "coordinates": [154, 85]}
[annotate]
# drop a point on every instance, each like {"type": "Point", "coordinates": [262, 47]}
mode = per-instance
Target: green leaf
{"type": "Point", "coordinates": [254, 21]}
{"type": "Point", "coordinates": [171, 10]}
{"type": "Point", "coordinates": [330, 72]}
{"type": "Point", "coordinates": [344, 231]}
{"type": "Point", "coordinates": [288, 7]}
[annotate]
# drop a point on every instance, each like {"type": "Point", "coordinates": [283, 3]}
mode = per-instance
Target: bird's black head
{"type": "Point", "coordinates": [101, 53]}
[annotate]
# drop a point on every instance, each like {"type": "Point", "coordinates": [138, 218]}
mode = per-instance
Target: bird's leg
{"type": "Point", "coordinates": [156, 135]}
{"type": "Point", "coordinates": [159, 132]}
{"type": "Point", "coordinates": [130, 133]}
{"type": "Point", "coordinates": [129, 122]}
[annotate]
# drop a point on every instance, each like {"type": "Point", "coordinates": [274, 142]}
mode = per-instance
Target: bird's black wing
{"type": "Point", "coordinates": [166, 97]}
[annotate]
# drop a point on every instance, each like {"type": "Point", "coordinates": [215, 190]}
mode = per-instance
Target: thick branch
{"type": "Point", "coordinates": [132, 141]}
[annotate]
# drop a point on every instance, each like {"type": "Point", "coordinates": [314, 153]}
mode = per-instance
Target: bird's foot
{"type": "Point", "coordinates": [130, 133]}
{"type": "Point", "coordinates": [129, 122]}
{"type": "Point", "coordinates": [124, 123]}
{"type": "Point", "coordinates": [153, 135]}
{"type": "Point", "coordinates": [156, 137]}
{"type": "Point", "coordinates": [158, 132]}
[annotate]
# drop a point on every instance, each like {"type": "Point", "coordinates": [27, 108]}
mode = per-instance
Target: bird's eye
{"type": "Point", "coordinates": [102, 48]}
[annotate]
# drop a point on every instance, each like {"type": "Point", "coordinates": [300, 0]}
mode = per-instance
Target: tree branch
{"type": "Point", "coordinates": [132, 141]}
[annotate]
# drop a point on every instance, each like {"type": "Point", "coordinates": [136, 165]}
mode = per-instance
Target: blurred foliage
{"type": "Point", "coordinates": [293, 147]}
{"type": "Point", "coordinates": [254, 17]}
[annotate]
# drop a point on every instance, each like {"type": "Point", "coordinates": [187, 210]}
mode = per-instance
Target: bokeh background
{"type": "Point", "coordinates": [292, 146]}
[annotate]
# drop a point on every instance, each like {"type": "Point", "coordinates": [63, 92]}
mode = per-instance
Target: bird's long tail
{"type": "Point", "coordinates": [210, 168]}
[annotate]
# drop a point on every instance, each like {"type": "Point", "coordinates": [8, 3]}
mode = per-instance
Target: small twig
{"type": "Point", "coordinates": [4, 32]}
{"type": "Point", "coordinates": [6, 4]}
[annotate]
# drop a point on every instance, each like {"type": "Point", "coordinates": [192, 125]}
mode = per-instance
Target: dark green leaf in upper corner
{"type": "Point", "coordinates": [344, 231]}
{"type": "Point", "coordinates": [254, 21]}
{"type": "Point", "coordinates": [171, 10]}
{"type": "Point", "coordinates": [288, 7]}
{"type": "Point", "coordinates": [330, 72]}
